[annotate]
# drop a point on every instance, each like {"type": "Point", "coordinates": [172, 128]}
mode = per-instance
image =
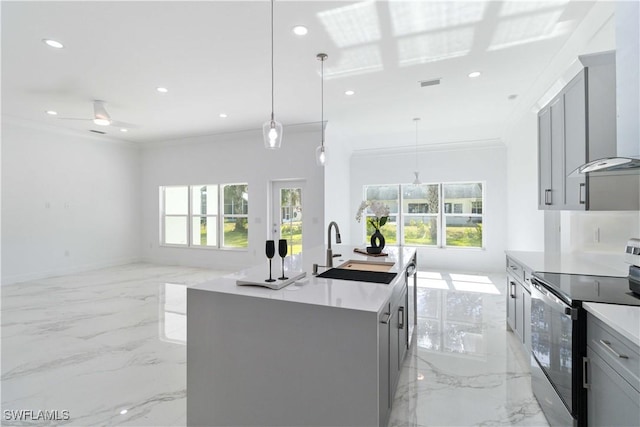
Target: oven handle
{"type": "Point", "coordinates": [548, 298]}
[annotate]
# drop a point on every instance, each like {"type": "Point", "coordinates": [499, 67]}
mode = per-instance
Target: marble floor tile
{"type": "Point", "coordinates": [108, 346]}
{"type": "Point", "coordinates": [464, 368]}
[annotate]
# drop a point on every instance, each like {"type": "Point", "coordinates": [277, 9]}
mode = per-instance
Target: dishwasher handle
{"type": "Point", "coordinates": [539, 291]}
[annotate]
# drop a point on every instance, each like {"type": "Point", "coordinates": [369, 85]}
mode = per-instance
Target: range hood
{"type": "Point", "coordinates": [627, 156]}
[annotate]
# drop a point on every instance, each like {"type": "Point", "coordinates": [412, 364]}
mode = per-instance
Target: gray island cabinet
{"type": "Point", "coordinates": [319, 352]}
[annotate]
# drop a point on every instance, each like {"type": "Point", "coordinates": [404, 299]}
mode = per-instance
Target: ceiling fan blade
{"type": "Point", "coordinates": [124, 125]}
{"type": "Point", "coordinates": [71, 118]}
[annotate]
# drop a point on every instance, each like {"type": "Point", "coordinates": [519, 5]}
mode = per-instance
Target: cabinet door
{"type": "Point", "coordinates": [394, 353]}
{"type": "Point", "coordinates": [384, 399]}
{"type": "Point", "coordinates": [611, 401]}
{"type": "Point", "coordinates": [544, 158]}
{"type": "Point", "coordinates": [575, 130]}
{"type": "Point", "coordinates": [519, 314]}
{"type": "Point", "coordinates": [511, 302]}
{"type": "Point", "coordinates": [403, 326]}
{"type": "Point", "coordinates": [557, 152]}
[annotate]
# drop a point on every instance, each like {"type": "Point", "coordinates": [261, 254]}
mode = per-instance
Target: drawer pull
{"type": "Point", "coordinates": [387, 319]}
{"type": "Point", "coordinates": [607, 345]}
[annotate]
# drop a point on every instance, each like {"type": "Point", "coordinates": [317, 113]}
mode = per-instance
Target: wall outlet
{"type": "Point", "coordinates": [596, 235]}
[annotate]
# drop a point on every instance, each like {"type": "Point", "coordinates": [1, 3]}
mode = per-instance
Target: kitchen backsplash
{"type": "Point", "coordinates": [599, 231]}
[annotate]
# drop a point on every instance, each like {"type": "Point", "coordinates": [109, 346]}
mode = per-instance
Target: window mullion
{"type": "Point", "coordinates": [220, 222]}
{"type": "Point", "coordinates": [400, 218]}
{"type": "Point", "coordinates": [441, 221]}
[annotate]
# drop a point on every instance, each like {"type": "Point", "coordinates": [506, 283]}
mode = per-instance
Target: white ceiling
{"type": "Point", "coordinates": [214, 57]}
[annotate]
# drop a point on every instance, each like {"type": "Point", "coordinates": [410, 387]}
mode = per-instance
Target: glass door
{"type": "Point", "coordinates": [288, 213]}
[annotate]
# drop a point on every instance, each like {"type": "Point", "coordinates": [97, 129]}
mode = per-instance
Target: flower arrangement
{"type": "Point", "coordinates": [379, 209]}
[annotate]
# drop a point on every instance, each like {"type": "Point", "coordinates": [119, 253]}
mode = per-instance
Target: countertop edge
{"type": "Point", "coordinates": [586, 263]}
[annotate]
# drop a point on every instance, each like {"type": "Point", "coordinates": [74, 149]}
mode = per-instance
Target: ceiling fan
{"type": "Point", "coordinates": [101, 117]}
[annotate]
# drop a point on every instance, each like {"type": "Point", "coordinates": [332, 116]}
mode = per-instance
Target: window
{"type": "Point", "coordinates": [389, 195]}
{"type": "Point", "coordinates": [463, 227]}
{"type": "Point", "coordinates": [420, 226]}
{"type": "Point", "coordinates": [439, 215]}
{"type": "Point", "coordinates": [204, 219]}
{"type": "Point", "coordinates": [236, 220]}
{"type": "Point", "coordinates": [190, 215]}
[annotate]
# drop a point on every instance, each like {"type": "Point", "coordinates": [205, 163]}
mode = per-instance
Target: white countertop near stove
{"type": "Point", "coordinates": [622, 318]}
{"type": "Point", "coordinates": [352, 295]}
{"type": "Point", "coordinates": [593, 264]}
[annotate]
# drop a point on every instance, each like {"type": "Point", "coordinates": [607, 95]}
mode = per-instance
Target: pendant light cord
{"type": "Point", "coordinates": [416, 120]}
{"type": "Point", "coordinates": [272, 92]}
{"type": "Point", "coordinates": [322, 98]}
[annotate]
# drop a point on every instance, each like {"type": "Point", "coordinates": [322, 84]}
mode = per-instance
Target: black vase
{"type": "Point", "coordinates": [377, 243]}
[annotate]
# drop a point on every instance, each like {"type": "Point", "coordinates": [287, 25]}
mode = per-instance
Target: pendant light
{"type": "Point", "coordinates": [321, 154]}
{"type": "Point", "coordinates": [416, 181]}
{"type": "Point", "coordinates": [271, 129]}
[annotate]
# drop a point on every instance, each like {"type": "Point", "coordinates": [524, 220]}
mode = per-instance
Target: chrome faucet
{"type": "Point", "coordinates": [338, 240]}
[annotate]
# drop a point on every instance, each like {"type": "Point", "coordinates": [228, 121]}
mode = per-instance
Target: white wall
{"type": "Point", "coordinates": [613, 229]}
{"type": "Point", "coordinates": [69, 202]}
{"type": "Point", "coordinates": [336, 180]}
{"type": "Point", "coordinates": [232, 158]}
{"type": "Point", "coordinates": [448, 163]}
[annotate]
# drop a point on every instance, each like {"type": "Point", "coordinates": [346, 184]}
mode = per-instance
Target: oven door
{"type": "Point", "coordinates": [552, 340]}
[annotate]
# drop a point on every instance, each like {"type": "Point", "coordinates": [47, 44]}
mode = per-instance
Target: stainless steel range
{"type": "Point", "coordinates": [558, 334]}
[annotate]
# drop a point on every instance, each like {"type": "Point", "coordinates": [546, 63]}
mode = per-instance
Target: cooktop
{"type": "Point", "coordinates": [577, 288]}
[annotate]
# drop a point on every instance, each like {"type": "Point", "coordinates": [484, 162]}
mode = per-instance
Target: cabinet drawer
{"type": "Point", "coordinates": [618, 352]}
{"type": "Point", "coordinates": [515, 269]}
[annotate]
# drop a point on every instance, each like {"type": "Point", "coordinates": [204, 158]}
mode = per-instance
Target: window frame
{"type": "Point", "coordinates": [441, 216]}
{"type": "Point", "coordinates": [224, 216]}
{"type": "Point", "coordinates": [190, 216]}
{"type": "Point", "coordinates": [461, 215]}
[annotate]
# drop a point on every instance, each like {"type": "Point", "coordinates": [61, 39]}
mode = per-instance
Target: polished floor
{"type": "Point", "coordinates": [107, 347]}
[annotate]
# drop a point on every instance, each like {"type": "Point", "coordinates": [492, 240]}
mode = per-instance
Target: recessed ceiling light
{"type": "Point", "coordinates": [512, 97]}
{"type": "Point", "coordinates": [349, 92]}
{"type": "Point", "coordinates": [222, 115]}
{"type": "Point", "coordinates": [474, 74]}
{"type": "Point", "coordinates": [52, 113]}
{"type": "Point", "coordinates": [162, 89]}
{"type": "Point", "coordinates": [300, 30]}
{"type": "Point", "coordinates": [53, 43]}
{"type": "Point", "coordinates": [124, 130]}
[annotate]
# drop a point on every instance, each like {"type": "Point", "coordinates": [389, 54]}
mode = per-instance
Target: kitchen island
{"type": "Point", "coordinates": [318, 352]}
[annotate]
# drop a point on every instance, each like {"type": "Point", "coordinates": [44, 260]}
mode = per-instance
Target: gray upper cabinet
{"type": "Point", "coordinates": [575, 120]}
{"type": "Point", "coordinates": [551, 136]}
{"type": "Point", "coordinates": [578, 126]}
{"type": "Point", "coordinates": [544, 158]}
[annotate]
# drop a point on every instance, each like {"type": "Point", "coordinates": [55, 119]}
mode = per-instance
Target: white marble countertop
{"type": "Point", "coordinates": [352, 295]}
{"type": "Point", "coordinates": [595, 264]}
{"type": "Point", "coordinates": [622, 318]}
